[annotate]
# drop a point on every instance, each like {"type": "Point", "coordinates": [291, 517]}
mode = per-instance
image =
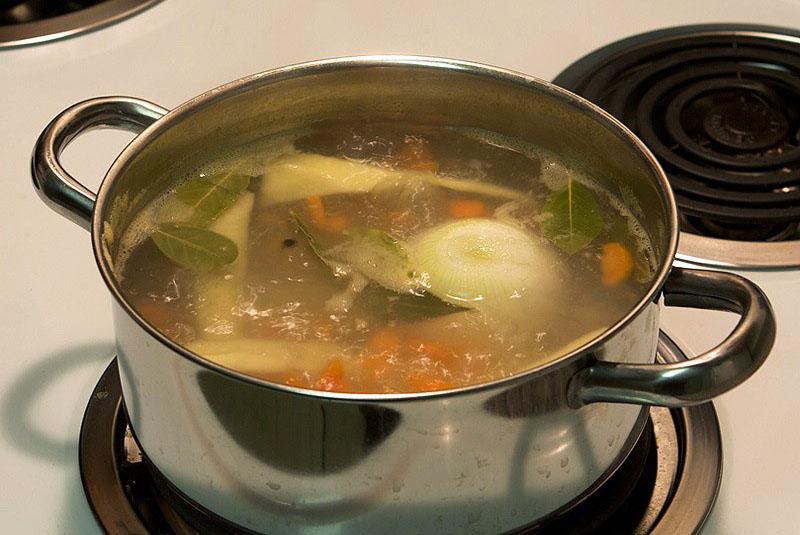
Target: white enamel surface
{"type": "Point", "coordinates": [56, 326]}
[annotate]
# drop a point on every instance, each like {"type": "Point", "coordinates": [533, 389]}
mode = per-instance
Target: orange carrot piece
{"type": "Point", "coordinates": [404, 220]}
{"type": "Point", "coordinates": [424, 165]}
{"type": "Point", "coordinates": [416, 155]}
{"type": "Point", "coordinates": [464, 208]}
{"type": "Point", "coordinates": [332, 378]}
{"type": "Point", "coordinates": [293, 381]}
{"type": "Point", "coordinates": [329, 222]}
{"type": "Point", "coordinates": [427, 384]}
{"type": "Point", "coordinates": [158, 314]}
{"type": "Point", "coordinates": [375, 367]}
{"type": "Point", "coordinates": [386, 340]}
{"type": "Point", "coordinates": [435, 350]}
{"type": "Point", "coordinates": [335, 223]}
{"type": "Point", "coordinates": [316, 210]}
{"type": "Point", "coordinates": [616, 264]}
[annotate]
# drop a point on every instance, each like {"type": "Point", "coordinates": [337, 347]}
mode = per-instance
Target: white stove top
{"type": "Point", "coordinates": [56, 328]}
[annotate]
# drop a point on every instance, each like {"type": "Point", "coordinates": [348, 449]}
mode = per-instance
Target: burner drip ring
{"type": "Point", "coordinates": [32, 22]}
{"type": "Point", "coordinates": [747, 123]}
{"type": "Point", "coordinates": [731, 122]}
{"type": "Point", "coordinates": [750, 233]}
{"type": "Point", "coordinates": [719, 106]}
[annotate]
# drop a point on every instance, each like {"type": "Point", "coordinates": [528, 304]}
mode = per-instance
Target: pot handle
{"type": "Point", "coordinates": [54, 185]}
{"type": "Point", "coordinates": [700, 379]}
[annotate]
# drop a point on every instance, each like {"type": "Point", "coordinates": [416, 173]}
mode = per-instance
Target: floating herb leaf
{"type": "Point", "coordinates": [415, 307]}
{"type": "Point", "coordinates": [575, 218]}
{"type": "Point", "coordinates": [379, 238]}
{"type": "Point", "coordinates": [209, 196]}
{"type": "Point", "coordinates": [194, 248]}
{"type": "Point", "coordinates": [372, 253]}
{"type": "Point", "coordinates": [307, 233]}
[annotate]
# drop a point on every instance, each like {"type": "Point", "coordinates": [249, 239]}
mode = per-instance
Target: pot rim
{"type": "Point", "coordinates": [247, 83]}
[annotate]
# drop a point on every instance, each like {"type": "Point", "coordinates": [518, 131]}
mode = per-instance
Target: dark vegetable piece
{"type": "Point", "coordinates": [413, 307]}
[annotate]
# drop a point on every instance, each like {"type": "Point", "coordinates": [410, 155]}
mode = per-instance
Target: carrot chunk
{"type": "Point", "coordinates": [158, 314]}
{"type": "Point", "coordinates": [332, 378]}
{"type": "Point", "coordinates": [416, 155]}
{"type": "Point", "coordinates": [386, 340]}
{"type": "Point", "coordinates": [435, 351]}
{"type": "Point", "coordinates": [335, 223]}
{"type": "Point", "coordinates": [296, 380]}
{"type": "Point", "coordinates": [322, 219]}
{"type": "Point", "coordinates": [464, 208]}
{"type": "Point", "coordinates": [616, 264]}
{"type": "Point", "coordinates": [375, 367]}
{"type": "Point", "coordinates": [316, 210]}
{"type": "Point", "coordinates": [427, 384]}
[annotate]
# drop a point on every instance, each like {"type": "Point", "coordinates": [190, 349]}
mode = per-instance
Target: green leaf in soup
{"type": "Point", "coordinates": [308, 234]}
{"type": "Point", "coordinates": [574, 218]}
{"type": "Point", "coordinates": [380, 257]}
{"type": "Point", "coordinates": [211, 195]}
{"type": "Point", "coordinates": [409, 307]}
{"type": "Point", "coordinates": [379, 238]}
{"type": "Point", "coordinates": [194, 248]}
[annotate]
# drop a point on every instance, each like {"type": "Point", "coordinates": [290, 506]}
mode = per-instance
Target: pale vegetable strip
{"type": "Point", "coordinates": [299, 176]}
{"type": "Point", "coordinates": [261, 357]}
{"type": "Point", "coordinates": [473, 186]}
{"type": "Point", "coordinates": [221, 288]}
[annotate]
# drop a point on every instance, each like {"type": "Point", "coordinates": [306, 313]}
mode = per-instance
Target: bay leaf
{"type": "Point", "coordinates": [574, 218]}
{"type": "Point", "coordinates": [194, 248]}
{"type": "Point", "coordinates": [379, 238]}
{"type": "Point", "coordinates": [312, 239]}
{"type": "Point", "coordinates": [211, 195]}
{"type": "Point", "coordinates": [409, 307]}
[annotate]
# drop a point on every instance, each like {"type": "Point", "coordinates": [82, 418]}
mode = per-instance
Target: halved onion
{"type": "Point", "coordinates": [482, 262]}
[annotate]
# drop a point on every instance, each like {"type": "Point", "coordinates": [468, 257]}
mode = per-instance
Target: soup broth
{"type": "Point", "coordinates": [384, 258]}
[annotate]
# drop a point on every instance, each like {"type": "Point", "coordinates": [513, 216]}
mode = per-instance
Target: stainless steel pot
{"type": "Point", "coordinates": [483, 459]}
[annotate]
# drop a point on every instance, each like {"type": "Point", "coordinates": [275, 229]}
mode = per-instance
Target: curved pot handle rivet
{"type": "Point", "coordinates": [54, 185]}
{"type": "Point", "coordinates": [700, 379]}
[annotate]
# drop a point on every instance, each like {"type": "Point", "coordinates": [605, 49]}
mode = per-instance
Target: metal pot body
{"type": "Point", "coordinates": [275, 462]}
{"type": "Point", "coordinates": [482, 459]}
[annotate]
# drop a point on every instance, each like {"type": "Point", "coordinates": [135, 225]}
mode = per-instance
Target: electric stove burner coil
{"type": "Point", "coordinates": [719, 106]}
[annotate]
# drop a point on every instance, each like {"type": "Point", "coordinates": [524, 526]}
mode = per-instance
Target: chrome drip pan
{"type": "Point", "coordinates": [32, 25]}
